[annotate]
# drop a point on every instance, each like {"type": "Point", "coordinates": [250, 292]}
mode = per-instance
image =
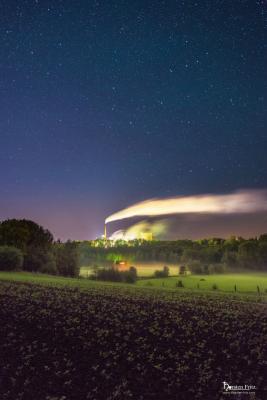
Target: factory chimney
{"type": "Point", "coordinates": [105, 231]}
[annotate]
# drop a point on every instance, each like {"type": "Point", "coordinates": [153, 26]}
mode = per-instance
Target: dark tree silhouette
{"type": "Point", "coordinates": [33, 240]}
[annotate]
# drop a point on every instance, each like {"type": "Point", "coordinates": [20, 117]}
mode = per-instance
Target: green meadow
{"type": "Point", "coordinates": [245, 282]}
{"type": "Point", "coordinates": [227, 282]}
{"type": "Point", "coordinates": [52, 280]}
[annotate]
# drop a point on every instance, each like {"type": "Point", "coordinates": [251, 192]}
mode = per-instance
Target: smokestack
{"type": "Point", "coordinates": [105, 231]}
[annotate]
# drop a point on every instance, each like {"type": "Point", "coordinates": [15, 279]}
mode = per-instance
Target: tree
{"type": "Point", "coordinates": [229, 257]}
{"type": "Point", "coordinates": [230, 245]}
{"type": "Point", "coordinates": [67, 259]}
{"type": "Point", "coordinates": [11, 258]}
{"type": "Point", "coordinates": [49, 265]}
{"type": "Point", "coordinates": [190, 254]}
{"type": "Point", "coordinates": [211, 254]}
{"type": "Point", "coordinates": [33, 240]}
{"type": "Point", "coordinates": [195, 267]}
{"type": "Point", "coordinates": [262, 250]}
{"type": "Point", "coordinates": [248, 254]}
{"type": "Point", "coordinates": [40, 260]}
{"type": "Point", "coordinates": [263, 237]}
{"type": "Point", "coordinates": [23, 233]}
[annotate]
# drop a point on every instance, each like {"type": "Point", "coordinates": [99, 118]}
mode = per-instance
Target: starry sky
{"type": "Point", "coordinates": [107, 103]}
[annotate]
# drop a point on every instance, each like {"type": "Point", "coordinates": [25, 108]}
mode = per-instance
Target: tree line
{"type": "Point", "coordinates": [201, 256]}
{"type": "Point", "coordinates": [28, 246]}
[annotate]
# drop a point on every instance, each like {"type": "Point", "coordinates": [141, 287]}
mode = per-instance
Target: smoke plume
{"type": "Point", "coordinates": [242, 201]}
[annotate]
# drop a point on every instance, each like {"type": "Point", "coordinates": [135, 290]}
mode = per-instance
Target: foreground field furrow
{"type": "Point", "coordinates": [110, 343]}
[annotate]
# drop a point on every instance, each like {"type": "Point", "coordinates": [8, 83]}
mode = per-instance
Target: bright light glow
{"type": "Point", "coordinates": [243, 201]}
{"type": "Point", "coordinates": [145, 230]}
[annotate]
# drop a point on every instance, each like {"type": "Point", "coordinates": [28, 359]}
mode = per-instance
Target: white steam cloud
{"type": "Point", "coordinates": [242, 201]}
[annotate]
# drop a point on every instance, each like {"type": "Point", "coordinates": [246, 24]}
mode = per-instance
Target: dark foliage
{"type": "Point", "coordinates": [11, 258]}
{"type": "Point", "coordinates": [162, 274]}
{"type": "Point", "coordinates": [201, 256]}
{"type": "Point", "coordinates": [67, 258]}
{"type": "Point", "coordinates": [130, 276]}
{"type": "Point", "coordinates": [40, 260]}
{"type": "Point", "coordinates": [24, 234]}
{"type": "Point", "coordinates": [33, 240]}
{"type": "Point", "coordinates": [114, 275]}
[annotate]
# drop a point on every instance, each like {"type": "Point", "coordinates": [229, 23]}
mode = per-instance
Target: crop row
{"type": "Point", "coordinates": [108, 343]}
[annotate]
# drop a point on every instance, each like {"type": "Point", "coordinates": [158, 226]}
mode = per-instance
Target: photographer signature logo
{"type": "Point", "coordinates": [238, 389]}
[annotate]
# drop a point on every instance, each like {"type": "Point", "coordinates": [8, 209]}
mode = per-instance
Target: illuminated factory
{"type": "Point", "coordinates": [137, 231]}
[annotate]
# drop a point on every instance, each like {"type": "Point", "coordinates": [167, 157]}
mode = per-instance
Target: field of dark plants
{"type": "Point", "coordinates": [112, 343]}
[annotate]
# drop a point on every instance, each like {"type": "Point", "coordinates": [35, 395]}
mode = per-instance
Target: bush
{"type": "Point", "coordinates": [50, 266]}
{"type": "Point", "coordinates": [183, 270]}
{"type": "Point", "coordinates": [179, 284]}
{"type": "Point", "coordinates": [109, 274]}
{"type": "Point", "coordinates": [67, 259]}
{"type": "Point", "coordinates": [128, 277]}
{"type": "Point", "coordinates": [11, 258]}
{"type": "Point", "coordinates": [217, 268]}
{"type": "Point", "coordinates": [162, 274]}
{"type": "Point", "coordinates": [113, 275]}
{"type": "Point", "coordinates": [40, 260]}
{"type": "Point", "coordinates": [214, 287]}
{"type": "Point", "coordinates": [131, 275]}
{"type": "Point", "coordinates": [195, 267]}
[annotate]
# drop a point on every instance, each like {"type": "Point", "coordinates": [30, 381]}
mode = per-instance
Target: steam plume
{"type": "Point", "coordinates": [242, 201]}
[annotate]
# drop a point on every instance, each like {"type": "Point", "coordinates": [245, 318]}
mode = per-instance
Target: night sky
{"type": "Point", "coordinates": [107, 103]}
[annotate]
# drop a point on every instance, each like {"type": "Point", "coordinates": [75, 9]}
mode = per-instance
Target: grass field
{"type": "Point", "coordinates": [245, 282]}
{"type": "Point", "coordinates": [52, 280]}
